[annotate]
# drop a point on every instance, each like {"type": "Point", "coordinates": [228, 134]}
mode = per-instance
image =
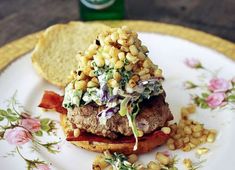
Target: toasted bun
{"type": "Point", "coordinates": [54, 55]}
{"type": "Point", "coordinates": [125, 148]}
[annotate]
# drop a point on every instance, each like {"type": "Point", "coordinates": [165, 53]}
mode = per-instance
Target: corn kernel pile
{"type": "Point", "coordinates": [118, 49]}
{"type": "Point", "coordinates": [162, 161]}
{"type": "Point", "coordinates": [189, 134]}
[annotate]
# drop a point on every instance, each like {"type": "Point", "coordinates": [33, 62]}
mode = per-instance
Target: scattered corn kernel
{"type": "Point", "coordinates": [166, 130]}
{"type": "Point", "coordinates": [76, 132]}
{"type": "Point", "coordinates": [153, 166]}
{"type": "Point", "coordinates": [202, 151]}
{"type": "Point", "coordinates": [163, 159]}
{"type": "Point", "coordinates": [132, 158]}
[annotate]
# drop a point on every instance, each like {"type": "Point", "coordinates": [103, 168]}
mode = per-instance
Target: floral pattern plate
{"type": "Point", "coordinates": [193, 73]}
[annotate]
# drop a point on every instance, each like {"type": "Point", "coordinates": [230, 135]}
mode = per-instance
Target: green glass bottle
{"type": "Point", "coordinates": [101, 9]}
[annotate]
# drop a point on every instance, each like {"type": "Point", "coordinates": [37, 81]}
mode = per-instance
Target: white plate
{"type": "Point", "coordinates": [166, 51]}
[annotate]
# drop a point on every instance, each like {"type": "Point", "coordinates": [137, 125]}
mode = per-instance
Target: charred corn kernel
{"type": "Point", "coordinates": [82, 76]}
{"type": "Point", "coordinates": [80, 85]}
{"type": "Point", "coordinates": [124, 48]}
{"type": "Point", "coordinates": [205, 132]}
{"type": "Point", "coordinates": [166, 130]}
{"type": "Point", "coordinates": [123, 37]}
{"type": "Point", "coordinates": [119, 64]}
{"type": "Point", "coordinates": [140, 133]}
{"type": "Point", "coordinates": [145, 77]}
{"type": "Point", "coordinates": [131, 58]}
{"type": "Point", "coordinates": [177, 136]}
{"type": "Point", "coordinates": [117, 76]}
{"type": "Point", "coordinates": [135, 78]}
{"type": "Point", "coordinates": [122, 42]}
{"type": "Point", "coordinates": [171, 146]}
{"type": "Point", "coordinates": [197, 134]}
{"type": "Point", "coordinates": [184, 113]}
{"type": "Point", "coordinates": [210, 137]}
{"type": "Point", "coordinates": [132, 83]}
{"type": "Point", "coordinates": [121, 56]}
{"type": "Point", "coordinates": [203, 139]}
{"type": "Point", "coordinates": [129, 67]}
{"type": "Point", "coordinates": [147, 63]}
{"type": "Point", "coordinates": [130, 41]}
{"type": "Point", "coordinates": [153, 166]}
{"type": "Point", "coordinates": [113, 52]}
{"type": "Point", "coordinates": [76, 132]}
{"type": "Point", "coordinates": [92, 73]}
{"type": "Point", "coordinates": [95, 80]}
{"type": "Point", "coordinates": [87, 70]}
{"type": "Point", "coordinates": [138, 43]}
{"type": "Point", "coordinates": [133, 50]}
{"type": "Point", "coordinates": [114, 36]}
{"type": "Point", "coordinates": [170, 140]}
{"type": "Point", "coordinates": [194, 141]}
{"type": "Point", "coordinates": [188, 163]}
{"type": "Point", "coordinates": [92, 84]}
{"type": "Point", "coordinates": [179, 143]}
{"type": "Point", "coordinates": [187, 130]}
{"type": "Point", "coordinates": [191, 108]}
{"type": "Point", "coordinates": [143, 72]}
{"type": "Point", "coordinates": [197, 128]}
{"type": "Point", "coordinates": [132, 158]}
{"type": "Point", "coordinates": [158, 73]}
{"type": "Point", "coordinates": [112, 83]}
{"type": "Point", "coordinates": [202, 151]}
{"type": "Point", "coordinates": [192, 146]}
{"type": "Point", "coordinates": [144, 48]}
{"type": "Point", "coordinates": [186, 139]}
{"type": "Point", "coordinates": [186, 148]}
{"type": "Point", "coordinates": [141, 56]}
{"type": "Point", "coordinates": [99, 163]}
{"type": "Point", "coordinates": [163, 159]}
{"type": "Point", "coordinates": [188, 122]}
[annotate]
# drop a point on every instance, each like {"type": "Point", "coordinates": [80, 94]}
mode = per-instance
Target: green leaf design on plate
{"type": "Point", "coordinates": [201, 102]}
{"type": "Point", "coordinates": [39, 133]}
{"type": "Point", "coordinates": [1, 118]}
{"type": "Point", "coordinates": [3, 112]}
{"type": "Point", "coordinates": [205, 95]}
{"type": "Point", "coordinates": [12, 118]}
{"type": "Point", "coordinates": [231, 98]}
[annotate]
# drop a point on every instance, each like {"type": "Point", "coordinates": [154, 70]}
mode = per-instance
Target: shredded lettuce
{"type": "Point", "coordinates": [130, 116]}
{"type": "Point", "coordinates": [72, 97]}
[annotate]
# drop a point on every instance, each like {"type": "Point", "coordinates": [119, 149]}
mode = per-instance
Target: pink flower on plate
{"type": "Point", "coordinates": [218, 85]}
{"type": "Point", "coordinates": [17, 136]}
{"type": "Point", "coordinates": [33, 125]}
{"type": "Point", "coordinates": [215, 99]}
{"type": "Point", "coordinates": [193, 63]}
{"type": "Point", "coordinates": [43, 167]}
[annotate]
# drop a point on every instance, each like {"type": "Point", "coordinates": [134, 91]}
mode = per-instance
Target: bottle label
{"type": "Point", "coordinates": [97, 4]}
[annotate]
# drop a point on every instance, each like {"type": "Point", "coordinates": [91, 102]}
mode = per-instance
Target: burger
{"type": "Point", "coordinates": [115, 100]}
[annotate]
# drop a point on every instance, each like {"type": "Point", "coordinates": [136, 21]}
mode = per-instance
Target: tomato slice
{"type": "Point", "coordinates": [53, 101]}
{"type": "Point", "coordinates": [85, 136]}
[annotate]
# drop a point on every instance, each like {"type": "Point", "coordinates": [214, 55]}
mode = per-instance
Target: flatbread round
{"type": "Point", "coordinates": [54, 57]}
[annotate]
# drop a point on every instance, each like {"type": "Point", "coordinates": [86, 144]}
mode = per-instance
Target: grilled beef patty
{"type": "Point", "coordinates": [153, 114]}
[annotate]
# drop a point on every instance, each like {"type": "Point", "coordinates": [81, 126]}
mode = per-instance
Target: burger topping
{"type": "Point", "coordinates": [114, 72]}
